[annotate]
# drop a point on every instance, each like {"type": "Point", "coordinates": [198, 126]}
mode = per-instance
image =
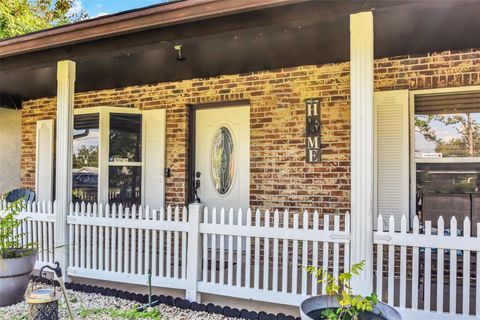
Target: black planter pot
{"type": "Point", "coordinates": [325, 302]}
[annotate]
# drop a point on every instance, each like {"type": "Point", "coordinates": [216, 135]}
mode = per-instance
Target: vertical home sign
{"type": "Point", "coordinates": [312, 132]}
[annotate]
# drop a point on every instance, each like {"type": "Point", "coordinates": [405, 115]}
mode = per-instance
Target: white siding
{"type": "Point", "coordinates": [391, 155]}
{"type": "Point", "coordinates": [154, 158]}
{"type": "Point", "coordinates": [44, 161]}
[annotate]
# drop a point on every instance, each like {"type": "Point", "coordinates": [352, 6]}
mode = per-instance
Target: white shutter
{"type": "Point", "coordinates": [154, 158]}
{"type": "Point", "coordinates": [44, 160]}
{"type": "Point", "coordinates": [391, 155]}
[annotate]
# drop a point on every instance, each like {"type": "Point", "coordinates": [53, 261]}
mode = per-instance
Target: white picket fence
{"type": "Point", "coordinates": [231, 256]}
{"type": "Point", "coordinates": [425, 272]}
{"type": "Point", "coordinates": [262, 257]}
{"type": "Point", "coordinates": [123, 244]}
{"type": "Point", "coordinates": [439, 267]}
{"type": "Point", "coordinates": [37, 226]}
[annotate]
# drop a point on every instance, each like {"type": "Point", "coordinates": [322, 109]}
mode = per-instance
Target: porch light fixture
{"type": "Point", "coordinates": [180, 57]}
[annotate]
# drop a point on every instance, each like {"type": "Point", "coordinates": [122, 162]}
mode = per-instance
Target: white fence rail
{"type": "Point", "coordinates": [430, 269]}
{"type": "Point", "coordinates": [37, 226]}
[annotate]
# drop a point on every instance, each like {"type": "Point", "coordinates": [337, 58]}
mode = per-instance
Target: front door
{"type": "Point", "coordinates": [222, 156]}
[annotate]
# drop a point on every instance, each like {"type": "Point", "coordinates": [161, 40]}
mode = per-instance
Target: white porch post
{"type": "Point", "coordinates": [361, 92]}
{"type": "Point", "coordinates": [63, 178]}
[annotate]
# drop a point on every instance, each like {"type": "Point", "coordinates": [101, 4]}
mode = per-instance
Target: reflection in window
{"type": "Point", "coordinates": [125, 137]}
{"type": "Point", "coordinates": [447, 155]}
{"type": "Point", "coordinates": [223, 160]}
{"type": "Point", "coordinates": [124, 185]}
{"type": "Point", "coordinates": [85, 158]}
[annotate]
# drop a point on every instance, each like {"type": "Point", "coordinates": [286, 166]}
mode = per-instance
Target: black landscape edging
{"type": "Point", "coordinates": [173, 302]}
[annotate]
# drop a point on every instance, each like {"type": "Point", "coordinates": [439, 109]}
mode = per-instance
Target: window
{"type": "Point", "coordinates": [85, 158]}
{"type": "Point", "coordinates": [124, 172]}
{"type": "Point", "coordinates": [107, 157]}
{"type": "Point", "coordinates": [447, 154]}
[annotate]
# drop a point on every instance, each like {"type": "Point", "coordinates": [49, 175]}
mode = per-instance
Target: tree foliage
{"type": "Point", "coordinates": [468, 143]}
{"type": "Point", "coordinates": [86, 156]}
{"type": "Point", "coordinates": [18, 17]}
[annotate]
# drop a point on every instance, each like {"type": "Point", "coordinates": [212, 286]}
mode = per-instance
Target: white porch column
{"type": "Point", "coordinates": [63, 178]}
{"type": "Point", "coordinates": [361, 92]}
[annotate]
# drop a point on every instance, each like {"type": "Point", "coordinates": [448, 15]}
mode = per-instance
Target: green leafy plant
{"type": "Point", "coordinates": [11, 245]}
{"type": "Point", "coordinates": [351, 306]}
{"type": "Point", "coordinates": [149, 313]}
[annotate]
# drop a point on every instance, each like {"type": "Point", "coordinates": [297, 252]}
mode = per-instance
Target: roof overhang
{"type": "Point", "coordinates": [226, 37]}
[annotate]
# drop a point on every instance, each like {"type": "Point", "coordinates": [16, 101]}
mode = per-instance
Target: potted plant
{"type": "Point", "coordinates": [17, 259]}
{"type": "Point", "coordinates": [339, 302]}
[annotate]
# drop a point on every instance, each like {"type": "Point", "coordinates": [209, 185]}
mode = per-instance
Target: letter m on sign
{"type": "Point", "coordinates": [312, 130]}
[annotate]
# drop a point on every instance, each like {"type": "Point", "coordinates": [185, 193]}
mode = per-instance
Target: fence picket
{"type": "Point", "coordinates": [161, 242]}
{"type": "Point", "coordinates": [285, 255]}
{"type": "Point", "coordinates": [304, 255]}
{"type": "Point", "coordinates": [155, 252]}
{"type": "Point", "coordinates": [239, 250]}
{"type": "Point", "coordinates": [176, 245]}
{"type": "Point", "coordinates": [453, 268]}
{"type": "Point", "coordinates": [440, 267]}
{"type": "Point", "coordinates": [275, 253]}
{"type": "Point", "coordinates": [379, 276]}
{"type": "Point", "coordinates": [295, 257]}
{"type": "Point", "coordinates": [248, 252]}
{"type": "Point", "coordinates": [336, 246]}
{"type": "Point", "coordinates": [221, 252]}
{"type": "Point", "coordinates": [168, 257]}
{"type": "Point", "coordinates": [230, 251]}
{"type": "Point", "coordinates": [205, 246]}
{"type": "Point", "coordinates": [256, 259]}
{"type": "Point", "coordinates": [428, 269]}
{"type": "Point", "coordinates": [266, 253]}
{"type": "Point", "coordinates": [213, 258]}
{"type": "Point", "coordinates": [466, 270]}
{"type": "Point", "coordinates": [403, 264]}
{"type": "Point", "coordinates": [391, 263]}
{"type": "Point", "coordinates": [415, 264]}
{"type": "Point", "coordinates": [326, 228]}
{"type": "Point", "coordinates": [184, 244]}
{"type": "Point", "coordinates": [315, 254]}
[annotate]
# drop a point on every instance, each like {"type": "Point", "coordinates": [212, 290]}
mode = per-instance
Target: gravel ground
{"type": "Point", "coordinates": [94, 306]}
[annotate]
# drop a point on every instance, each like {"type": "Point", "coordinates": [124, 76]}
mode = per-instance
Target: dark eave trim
{"type": "Point", "coordinates": [9, 102]}
{"type": "Point", "coordinates": [133, 21]}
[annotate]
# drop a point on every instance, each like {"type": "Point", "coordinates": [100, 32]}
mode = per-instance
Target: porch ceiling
{"type": "Point", "coordinates": [302, 33]}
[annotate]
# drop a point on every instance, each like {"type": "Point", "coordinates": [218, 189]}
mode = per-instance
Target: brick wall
{"type": "Point", "coordinates": [279, 175]}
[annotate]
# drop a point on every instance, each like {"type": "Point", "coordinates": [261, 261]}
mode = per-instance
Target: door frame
{"type": "Point", "coordinates": [192, 111]}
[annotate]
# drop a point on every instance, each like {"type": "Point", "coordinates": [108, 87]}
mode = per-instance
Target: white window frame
{"type": "Point", "coordinates": [413, 162]}
{"type": "Point", "coordinates": [104, 147]}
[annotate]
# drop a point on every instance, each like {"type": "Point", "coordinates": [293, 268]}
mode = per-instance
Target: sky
{"type": "Point", "coordinates": [97, 8]}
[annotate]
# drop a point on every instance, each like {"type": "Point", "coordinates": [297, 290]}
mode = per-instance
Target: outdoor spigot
{"type": "Point", "coordinates": [57, 270]}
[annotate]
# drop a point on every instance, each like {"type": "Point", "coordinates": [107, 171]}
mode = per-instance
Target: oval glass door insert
{"type": "Point", "coordinates": [223, 160]}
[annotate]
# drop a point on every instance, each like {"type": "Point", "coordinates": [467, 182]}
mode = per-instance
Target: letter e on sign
{"type": "Point", "coordinates": [312, 130]}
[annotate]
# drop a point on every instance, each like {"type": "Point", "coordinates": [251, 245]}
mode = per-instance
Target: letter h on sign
{"type": "Point", "coordinates": [312, 132]}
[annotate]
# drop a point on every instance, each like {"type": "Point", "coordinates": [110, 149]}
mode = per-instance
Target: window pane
{"type": "Point", "coordinates": [447, 151]}
{"type": "Point", "coordinates": [85, 158]}
{"type": "Point", "coordinates": [223, 160]}
{"type": "Point", "coordinates": [447, 126]}
{"type": "Point", "coordinates": [125, 137]}
{"type": "Point", "coordinates": [124, 185]}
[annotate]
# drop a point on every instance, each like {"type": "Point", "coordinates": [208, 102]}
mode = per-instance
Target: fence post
{"type": "Point", "coordinates": [194, 250]}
